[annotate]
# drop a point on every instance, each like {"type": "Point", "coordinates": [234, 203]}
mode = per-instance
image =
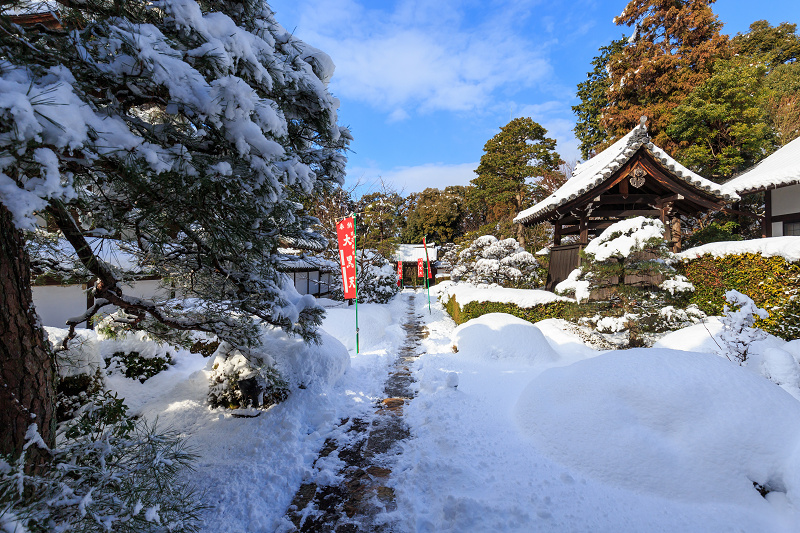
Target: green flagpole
{"type": "Point", "coordinates": [427, 274]}
{"type": "Point", "coordinates": [355, 253]}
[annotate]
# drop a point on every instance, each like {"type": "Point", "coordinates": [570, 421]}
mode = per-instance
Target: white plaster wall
{"type": "Point", "coordinates": [57, 303]}
{"type": "Point", "coordinates": [785, 200]}
{"type": "Point", "coordinates": [777, 229]}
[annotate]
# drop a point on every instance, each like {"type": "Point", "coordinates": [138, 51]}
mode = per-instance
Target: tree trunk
{"type": "Point", "coordinates": [27, 368]}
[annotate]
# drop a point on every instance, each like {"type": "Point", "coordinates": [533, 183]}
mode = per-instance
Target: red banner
{"type": "Point", "coordinates": [399, 273]}
{"type": "Point", "coordinates": [345, 231]}
{"type": "Point", "coordinates": [427, 259]}
{"type": "Point", "coordinates": [420, 267]}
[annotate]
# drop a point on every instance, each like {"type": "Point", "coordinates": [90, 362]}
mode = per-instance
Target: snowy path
{"type": "Point", "coordinates": [366, 446]}
{"type": "Point", "coordinates": [524, 428]}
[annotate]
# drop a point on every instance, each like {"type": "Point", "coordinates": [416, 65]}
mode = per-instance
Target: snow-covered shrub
{"type": "Point", "coordinates": [79, 367]}
{"type": "Point", "coordinates": [504, 262]}
{"type": "Point", "coordinates": [229, 366]}
{"type": "Point", "coordinates": [629, 266]}
{"type": "Point", "coordinates": [376, 278]}
{"type": "Point", "coordinates": [109, 473]}
{"type": "Point", "coordinates": [738, 332]}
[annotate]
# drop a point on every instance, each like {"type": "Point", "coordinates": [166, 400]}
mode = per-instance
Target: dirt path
{"type": "Point", "coordinates": [367, 450]}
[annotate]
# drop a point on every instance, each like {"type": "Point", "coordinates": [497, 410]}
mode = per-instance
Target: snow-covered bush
{"type": "Point", "coordinates": [108, 473]}
{"type": "Point", "coordinates": [629, 266]}
{"type": "Point", "coordinates": [738, 333]}
{"type": "Point", "coordinates": [376, 278]}
{"type": "Point", "coordinates": [230, 366]}
{"type": "Point", "coordinates": [504, 262]}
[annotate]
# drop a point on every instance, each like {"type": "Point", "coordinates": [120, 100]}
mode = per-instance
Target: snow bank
{"type": "Point", "coordinates": [373, 319]}
{"type": "Point", "coordinates": [786, 247]}
{"type": "Point", "coordinates": [502, 336]}
{"type": "Point", "coordinates": [465, 293]}
{"type": "Point", "coordinates": [686, 426]}
{"type": "Point", "coordinates": [306, 364]}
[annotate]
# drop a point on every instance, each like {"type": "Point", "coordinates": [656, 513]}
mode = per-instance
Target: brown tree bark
{"type": "Point", "coordinates": [27, 367]}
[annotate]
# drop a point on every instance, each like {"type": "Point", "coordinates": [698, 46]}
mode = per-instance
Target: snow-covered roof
{"type": "Point", "coordinates": [778, 170]}
{"type": "Point", "coordinates": [294, 260]}
{"type": "Point", "coordinates": [412, 252]}
{"type": "Point", "coordinates": [601, 167]}
{"type": "Point", "coordinates": [786, 247]}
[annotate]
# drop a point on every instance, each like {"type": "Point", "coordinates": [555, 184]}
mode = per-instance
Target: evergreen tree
{"type": "Point", "coordinates": [775, 45]}
{"type": "Point", "coordinates": [671, 52]}
{"type": "Point", "coordinates": [519, 166]}
{"type": "Point", "coordinates": [436, 214]}
{"type": "Point", "coordinates": [628, 267]}
{"type": "Point", "coordinates": [380, 221]}
{"type": "Point", "coordinates": [190, 131]}
{"type": "Point", "coordinates": [778, 48]}
{"type": "Point", "coordinates": [593, 94]}
{"type": "Point", "coordinates": [782, 101]}
{"type": "Point", "coordinates": [721, 127]}
{"type": "Point", "coordinates": [488, 259]}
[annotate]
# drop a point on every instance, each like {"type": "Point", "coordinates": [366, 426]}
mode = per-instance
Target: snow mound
{"type": "Point", "coordinates": [373, 319]}
{"type": "Point", "coordinates": [465, 293]}
{"type": "Point", "coordinates": [686, 426]}
{"type": "Point", "coordinates": [306, 364]}
{"type": "Point", "coordinates": [502, 336]}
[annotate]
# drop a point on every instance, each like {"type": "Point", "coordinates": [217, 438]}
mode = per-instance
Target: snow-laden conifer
{"type": "Point", "coordinates": [191, 131]}
{"type": "Point", "coordinates": [491, 260]}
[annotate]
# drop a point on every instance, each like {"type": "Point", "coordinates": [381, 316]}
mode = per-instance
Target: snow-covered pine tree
{"type": "Point", "coordinates": [628, 266]}
{"type": "Point", "coordinates": [192, 132]}
{"type": "Point", "coordinates": [504, 262]}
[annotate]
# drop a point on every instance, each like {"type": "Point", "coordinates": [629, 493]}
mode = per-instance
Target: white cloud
{"type": "Point", "coordinates": [424, 56]}
{"type": "Point", "coordinates": [416, 178]}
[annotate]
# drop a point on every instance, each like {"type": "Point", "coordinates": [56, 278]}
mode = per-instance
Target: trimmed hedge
{"type": "Point", "coordinates": [772, 282]}
{"type": "Point", "coordinates": [558, 309]}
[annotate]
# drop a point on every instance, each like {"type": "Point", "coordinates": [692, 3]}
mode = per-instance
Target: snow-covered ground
{"type": "Point", "coordinates": [515, 427]}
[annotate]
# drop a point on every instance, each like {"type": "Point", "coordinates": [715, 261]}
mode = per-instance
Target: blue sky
{"type": "Point", "coordinates": [425, 83]}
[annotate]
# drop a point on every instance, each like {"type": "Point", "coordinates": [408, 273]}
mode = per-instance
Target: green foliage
{"type": "Point", "coordinates": [774, 45]}
{"type": "Point", "coordinates": [558, 309]}
{"type": "Point", "coordinates": [772, 282]}
{"type": "Point", "coordinates": [134, 366]}
{"type": "Point", "coordinates": [782, 101]}
{"type": "Point", "coordinates": [716, 231]}
{"type": "Point", "coordinates": [435, 214]}
{"type": "Point", "coordinates": [519, 153]}
{"type": "Point", "coordinates": [380, 221]}
{"type": "Point", "coordinates": [593, 94]}
{"type": "Point", "coordinates": [109, 473]}
{"type": "Point", "coordinates": [720, 125]}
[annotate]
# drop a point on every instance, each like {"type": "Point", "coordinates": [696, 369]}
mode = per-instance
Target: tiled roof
{"type": "Point", "coordinates": [778, 170]}
{"type": "Point", "coordinates": [595, 171]}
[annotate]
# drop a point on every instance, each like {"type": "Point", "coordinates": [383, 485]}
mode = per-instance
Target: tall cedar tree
{"type": "Point", "coordinates": [672, 51]}
{"type": "Point", "coordinates": [593, 94]}
{"type": "Point", "coordinates": [190, 131]}
{"type": "Point", "coordinates": [519, 166]}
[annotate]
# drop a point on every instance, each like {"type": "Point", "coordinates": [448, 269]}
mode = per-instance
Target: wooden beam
{"type": "Point", "coordinates": [766, 226]}
{"type": "Point", "coordinates": [630, 199]}
{"type": "Point", "coordinates": [678, 187]}
{"type": "Point", "coordinates": [557, 234]}
{"type": "Point", "coordinates": [623, 188]}
{"type": "Point", "coordinates": [627, 213]}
